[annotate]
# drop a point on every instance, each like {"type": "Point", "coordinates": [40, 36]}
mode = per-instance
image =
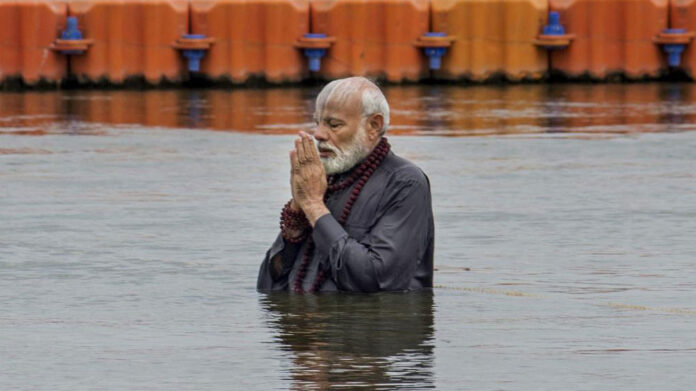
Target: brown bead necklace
{"type": "Point", "coordinates": [361, 176]}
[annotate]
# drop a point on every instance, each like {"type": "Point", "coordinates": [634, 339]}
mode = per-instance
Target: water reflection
{"type": "Point", "coordinates": [382, 341]}
{"type": "Point", "coordinates": [424, 109]}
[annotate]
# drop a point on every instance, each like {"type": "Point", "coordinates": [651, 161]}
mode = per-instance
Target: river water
{"type": "Point", "coordinates": [133, 224]}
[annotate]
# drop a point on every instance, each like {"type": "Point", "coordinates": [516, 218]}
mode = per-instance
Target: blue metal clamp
{"type": "Point", "coordinates": [314, 46]}
{"type": "Point", "coordinates": [434, 46]}
{"type": "Point", "coordinates": [673, 42]}
{"type": "Point", "coordinates": [553, 35]}
{"type": "Point", "coordinates": [71, 41]}
{"type": "Point", "coordinates": [193, 48]}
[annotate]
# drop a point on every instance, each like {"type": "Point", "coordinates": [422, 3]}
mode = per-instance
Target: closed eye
{"type": "Point", "coordinates": [333, 124]}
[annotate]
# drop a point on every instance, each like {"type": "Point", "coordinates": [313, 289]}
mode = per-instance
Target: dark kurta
{"type": "Point", "coordinates": [386, 245]}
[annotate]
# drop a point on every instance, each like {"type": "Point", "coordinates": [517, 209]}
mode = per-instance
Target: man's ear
{"type": "Point", "coordinates": [375, 123]}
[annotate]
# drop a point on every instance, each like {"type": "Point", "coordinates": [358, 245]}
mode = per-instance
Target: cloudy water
{"type": "Point", "coordinates": [132, 225]}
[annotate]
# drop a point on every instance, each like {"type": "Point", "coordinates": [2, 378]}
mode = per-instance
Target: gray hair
{"type": "Point", "coordinates": [373, 100]}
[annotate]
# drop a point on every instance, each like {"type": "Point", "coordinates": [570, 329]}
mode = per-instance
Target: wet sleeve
{"type": "Point", "coordinates": [268, 280]}
{"type": "Point", "coordinates": [386, 258]}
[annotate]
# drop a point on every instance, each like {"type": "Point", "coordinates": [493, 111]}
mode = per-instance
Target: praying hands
{"type": "Point", "coordinates": [307, 179]}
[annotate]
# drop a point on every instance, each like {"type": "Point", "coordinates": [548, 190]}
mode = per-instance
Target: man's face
{"type": "Point", "coordinates": [340, 135]}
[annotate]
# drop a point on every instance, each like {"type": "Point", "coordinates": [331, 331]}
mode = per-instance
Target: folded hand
{"type": "Point", "coordinates": [308, 178]}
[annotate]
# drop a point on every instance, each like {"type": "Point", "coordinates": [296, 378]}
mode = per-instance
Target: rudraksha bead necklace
{"type": "Point", "coordinates": [291, 220]}
{"type": "Point", "coordinates": [361, 175]}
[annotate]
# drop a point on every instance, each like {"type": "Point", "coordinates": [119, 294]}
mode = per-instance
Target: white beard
{"type": "Point", "coordinates": [343, 161]}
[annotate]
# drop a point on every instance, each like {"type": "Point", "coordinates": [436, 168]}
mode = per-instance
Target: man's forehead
{"type": "Point", "coordinates": [339, 108]}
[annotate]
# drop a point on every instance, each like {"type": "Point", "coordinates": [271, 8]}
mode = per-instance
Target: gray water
{"type": "Point", "coordinates": [133, 225]}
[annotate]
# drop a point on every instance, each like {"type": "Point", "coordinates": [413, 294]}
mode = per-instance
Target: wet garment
{"type": "Point", "coordinates": [386, 244]}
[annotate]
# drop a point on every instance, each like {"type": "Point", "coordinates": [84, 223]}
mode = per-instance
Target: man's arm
{"type": "Point", "coordinates": [276, 266]}
{"type": "Point", "coordinates": [386, 258]}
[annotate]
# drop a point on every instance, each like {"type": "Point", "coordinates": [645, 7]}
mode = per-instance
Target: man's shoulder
{"type": "Point", "coordinates": [401, 170]}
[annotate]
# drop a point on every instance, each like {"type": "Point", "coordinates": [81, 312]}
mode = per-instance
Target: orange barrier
{"type": "Point", "coordinates": [492, 37]}
{"type": "Point", "coordinates": [139, 39]}
{"type": "Point", "coordinates": [132, 39]}
{"type": "Point", "coordinates": [611, 37]}
{"type": "Point", "coordinates": [682, 14]}
{"type": "Point", "coordinates": [252, 38]}
{"type": "Point", "coordinates": [373, 37]}
{"type": "Point", "coordinates": [27, 30]}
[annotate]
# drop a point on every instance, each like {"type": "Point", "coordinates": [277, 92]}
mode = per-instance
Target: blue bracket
{"type": "Point", "coordinates": [673, 50]}
{"type": "Point", "coordinates": [193, 47]}
{"type": "Point", "coordinates": [554, 27]}
{"type": "Point", "coordinates": [71, 34]}
{"type": "Point", "coordinates": [314, 47]}
{"type": "Point", "coordinates": [314, 55]}
{"type": "Point", "coordinates": [435, 54]}
{"type": "Point", "coordinates": [553, 35]}
{"type": "Point", "coordinates": [193, 56]}
{"type": "Point", "coordinates": [71, 31]}
{"type": "Point", "coordinates": [434, 45]}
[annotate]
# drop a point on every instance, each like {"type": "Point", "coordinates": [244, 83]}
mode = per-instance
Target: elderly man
{"type": "Point", "coordinates": [368, 225]}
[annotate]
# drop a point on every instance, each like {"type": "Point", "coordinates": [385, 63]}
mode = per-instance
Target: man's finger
{"type": "Point", "coordinates": [299, 146]}
{"type": "Point", "coordinates": [313, 149]}
{"type": "Point", "coordinates": [310, 150]}
{"type": "Point", "coordinates": [294, 161]}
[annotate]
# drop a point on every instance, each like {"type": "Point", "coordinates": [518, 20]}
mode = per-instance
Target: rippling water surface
{"type": "Point", "coordinates": [133, 224]}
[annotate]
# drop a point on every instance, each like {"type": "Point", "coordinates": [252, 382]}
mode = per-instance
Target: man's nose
{"type": "Point", "coordinates": [320, 133]}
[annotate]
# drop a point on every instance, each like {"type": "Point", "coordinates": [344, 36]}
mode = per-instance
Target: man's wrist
{"type": "Point", "coordinates": [315, 211]}
{"type": "Point", "coordinates": [293, 223]}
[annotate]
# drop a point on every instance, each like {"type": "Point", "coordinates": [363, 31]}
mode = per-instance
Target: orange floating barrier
{"type": "Point", "coordinates": [27, 31]}
{"type": "Point", "coordinates": [491, 38]}
{"type": "Point", "coordinates": [252, 38]}
{"type": "Point", "coordinates": [682, 15]}
{"type": "Point", "coordinates": [611, 37]}
{"type": "Point", "coordinates": [132, 39]}
{"type": "Point", "coordinates": [373, 37]}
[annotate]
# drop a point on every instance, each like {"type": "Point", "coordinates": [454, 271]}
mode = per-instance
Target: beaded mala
{"type": "Point", "coordinates": [293, 220]}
